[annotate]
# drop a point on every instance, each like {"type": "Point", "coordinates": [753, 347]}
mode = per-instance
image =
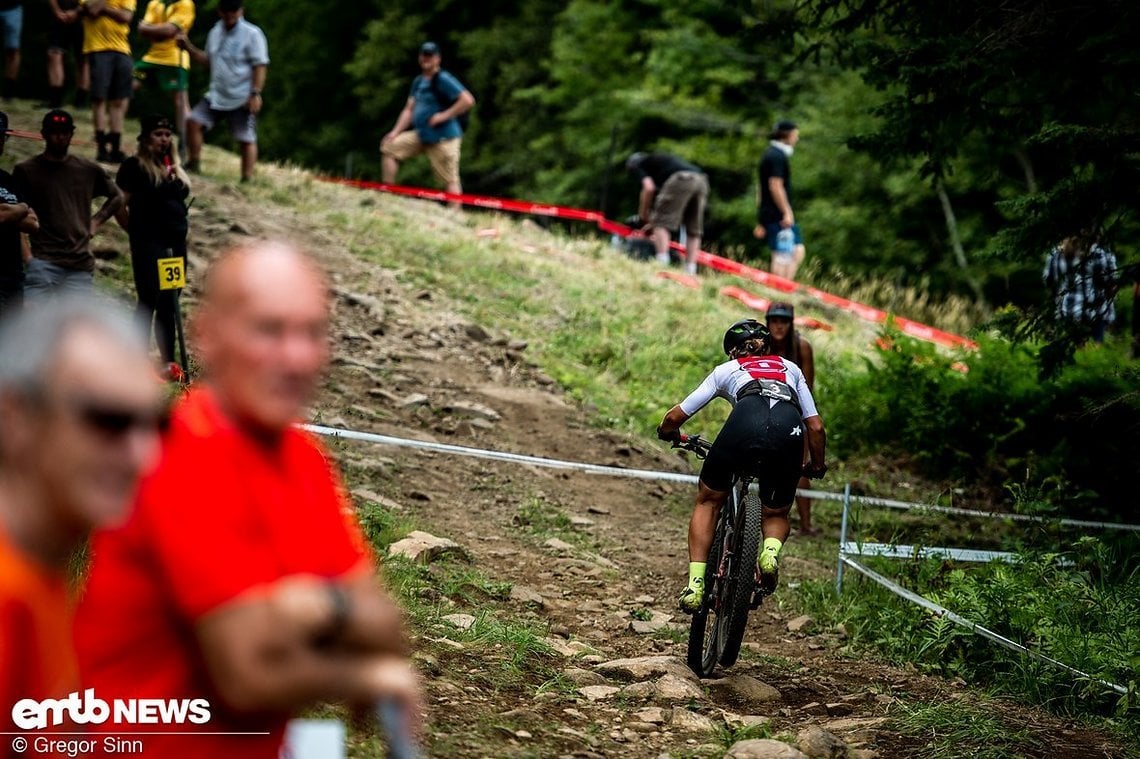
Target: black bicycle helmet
{"type": "Point", "coordinates": [743, 330]}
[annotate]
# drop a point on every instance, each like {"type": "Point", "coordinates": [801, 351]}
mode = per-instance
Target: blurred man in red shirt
{"type": "Point", "coordinates": [79, 406]}
{"type": "Point", "coordinates": [242, 577]}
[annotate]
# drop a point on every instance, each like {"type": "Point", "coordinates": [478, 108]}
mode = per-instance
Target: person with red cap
{"type": "Point", "coordinates": [61, 187]}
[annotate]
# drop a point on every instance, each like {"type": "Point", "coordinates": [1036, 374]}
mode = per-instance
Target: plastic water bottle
{"type": "Point", "coordinates": [785, 241]}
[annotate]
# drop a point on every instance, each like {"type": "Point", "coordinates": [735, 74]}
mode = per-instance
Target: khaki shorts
{"type": "Point", "coordinates": [682, 199]}
{"type": "Point", "coordinates": [444, 156]}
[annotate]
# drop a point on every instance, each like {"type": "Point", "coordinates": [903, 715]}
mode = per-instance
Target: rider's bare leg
{"type": "Point", "coordinates": [776, 524]}
{"type": "Point", "coordinates": [702, 524]}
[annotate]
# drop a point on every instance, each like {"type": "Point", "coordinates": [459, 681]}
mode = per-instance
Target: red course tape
{"type": "Point", "coordinates": [718, 263]}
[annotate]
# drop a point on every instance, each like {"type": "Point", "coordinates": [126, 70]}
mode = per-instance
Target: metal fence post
{"type": "Point", "coordinates": [842, 538]}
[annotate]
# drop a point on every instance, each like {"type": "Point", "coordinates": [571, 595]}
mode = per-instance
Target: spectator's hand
{"type": "Point", "coordinates": [437, 118]}
{"type": "Point", "coordinates": [302, 602]}
{"type": "Point", "coordinates": [32, 220]}
{"type": "Point", "coordinates": [647, 230]}
{"type": "Point", "coordinates": [181, 40]}
{"type": "Point", "coordinates": [254, 103]}
{"type": "Point", "coordinates": [787, 220]}
{"type": "Point", "coordinates": [394, 677]}
{"type": "Point", "coordinates": [95, 224]}
{"type": "Point", "coordinates": [759, 232]}
{"type": "Point", "coordinates": [388, 137]}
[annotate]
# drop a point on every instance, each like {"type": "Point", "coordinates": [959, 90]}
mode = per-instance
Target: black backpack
{"type": "Point", "coordinates": [442, 99]}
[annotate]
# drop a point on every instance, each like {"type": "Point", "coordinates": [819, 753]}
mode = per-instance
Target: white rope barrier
{"type": "Point", "coordinates": [985, 632]}
{"type": "Point", "coordinates": [648, 474]}
{"type": "Point", "coordinates": [516, 458]}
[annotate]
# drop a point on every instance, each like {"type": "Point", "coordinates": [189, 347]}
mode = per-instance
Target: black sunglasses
{"type": "Point", "coordinates": [116, 421]}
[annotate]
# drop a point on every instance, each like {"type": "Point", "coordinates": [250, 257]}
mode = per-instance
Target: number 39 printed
{"type": "Point", "coordinates": [171, 273]}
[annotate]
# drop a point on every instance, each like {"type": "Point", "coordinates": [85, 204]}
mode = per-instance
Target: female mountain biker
{"type": "Point", "coordinates": [772, 406]}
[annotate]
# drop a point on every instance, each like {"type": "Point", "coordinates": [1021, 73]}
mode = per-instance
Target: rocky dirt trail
{"type": "Point", "coordinates": [407, 365]}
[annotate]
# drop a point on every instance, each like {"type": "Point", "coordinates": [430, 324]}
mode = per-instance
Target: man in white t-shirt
{"type": "Point", "coordinates": [772, 411]}
{"type": "Point", "coordinates": [238, 56]}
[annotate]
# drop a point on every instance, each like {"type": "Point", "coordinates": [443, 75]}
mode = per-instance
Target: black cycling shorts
{"type": "Point", "coordinates": [757, 437]}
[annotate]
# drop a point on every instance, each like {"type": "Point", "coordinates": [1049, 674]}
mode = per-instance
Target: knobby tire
{"type": "Point", "coordinates": [741, 587]}
{"type": "Point", "coordinates": [705, 638]}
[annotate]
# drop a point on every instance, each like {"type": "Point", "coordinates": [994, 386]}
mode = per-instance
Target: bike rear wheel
{"type": "Point", "coordinates": [739, 599]}
{"type": "Point", "coordinates": [706, 639]}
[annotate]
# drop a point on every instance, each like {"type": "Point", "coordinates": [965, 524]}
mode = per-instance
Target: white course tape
{"type": "Point", "coordinates": [481, 453]}
{"type": "Point", "coordinates": [904, 505]}
{"type": "Point", "coordinates": [985, 632]}
{"type": "Point", "coordinates": [648, 474]}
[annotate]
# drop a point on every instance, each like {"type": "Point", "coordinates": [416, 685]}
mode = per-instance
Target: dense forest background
{"type": "Point", "coordinates": [944, 146]}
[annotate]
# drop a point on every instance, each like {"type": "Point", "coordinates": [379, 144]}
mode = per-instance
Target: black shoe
{"type": "Point", "coordinates": [116, 156]}
{"type": "Point", "coordinates": [102, 155]}
{"type": "Point", "coordinates": [193, 167]}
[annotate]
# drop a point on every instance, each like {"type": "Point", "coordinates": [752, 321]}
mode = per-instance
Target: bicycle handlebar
{"type": "Point", "coordinates": [701, 447]}
{"type": "Point", "coordinates": [694, 443]}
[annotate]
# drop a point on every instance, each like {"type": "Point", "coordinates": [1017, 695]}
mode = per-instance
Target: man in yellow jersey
{"type": "Point", "coordinates": [106, 24]}
{"type": "Point", "coordinates": [166, 64]}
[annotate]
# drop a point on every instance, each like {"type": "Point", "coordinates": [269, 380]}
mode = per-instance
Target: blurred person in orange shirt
{"type": "Point", "coordinates": [79, 405]}
{"type": "Point", "coordinates": [242, 576]}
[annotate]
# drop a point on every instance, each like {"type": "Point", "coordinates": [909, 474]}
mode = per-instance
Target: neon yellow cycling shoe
{"type": "Point", "coordinates": [691, 597]}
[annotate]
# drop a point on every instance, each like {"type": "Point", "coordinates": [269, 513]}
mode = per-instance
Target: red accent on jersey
{"type": "Point", "coordinates": [764, 367]}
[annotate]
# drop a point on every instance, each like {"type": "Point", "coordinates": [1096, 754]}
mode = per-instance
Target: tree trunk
{"type": "Point", "coordinates": [955, 242]}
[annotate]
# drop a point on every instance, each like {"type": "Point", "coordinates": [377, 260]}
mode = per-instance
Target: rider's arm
{"type": "Point", "coordinates": [816, 441]}
{"type": "Point", "coordinates": [672, 422]}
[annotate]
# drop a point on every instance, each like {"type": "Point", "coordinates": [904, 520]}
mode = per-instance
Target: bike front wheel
{"type": "Point", "coordinates": [706, 638]}
{"type": "Point", "coordinates": [739, 598]}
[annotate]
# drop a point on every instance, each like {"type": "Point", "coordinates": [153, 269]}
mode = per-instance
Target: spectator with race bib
{"type": "Point", "coordinates": [154, 214]}
{"type": "Point", "coordinates": [772, 410]}
{"type": "Point", "coordinates": [429, 123]}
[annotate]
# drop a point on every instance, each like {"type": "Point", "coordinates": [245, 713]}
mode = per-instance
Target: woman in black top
{"type": "Point", "coordinates": [155, 188]}
{"type": "Point", "coordinates": [789, 344]}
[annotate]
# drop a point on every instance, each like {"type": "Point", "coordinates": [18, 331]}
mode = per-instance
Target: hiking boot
{"type": "Point", "coordinates": [691, 598]}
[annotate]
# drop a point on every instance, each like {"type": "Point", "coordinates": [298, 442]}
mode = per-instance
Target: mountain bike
{"type": "Point", "coordinates": [733, 584]}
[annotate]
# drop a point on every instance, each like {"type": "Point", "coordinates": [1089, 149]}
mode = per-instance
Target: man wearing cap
{"type": "Point", "coordinates": [61, 187]}
{"type": "Point", "coordinates": [238, 56]}
{"type": "Point", "coordinates": [774, 200]}
{"type": "Point", "coordinates": [16, 217]}
{"type": "Point", "coordinates": [429, 123]}
{"type": "Point", "coordinates": [673, 193]}
{"type": "Point", "coordinates": [106, 26]}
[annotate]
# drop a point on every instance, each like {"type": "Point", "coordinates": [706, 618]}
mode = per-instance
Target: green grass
{"type": "Point", "coordinates": [956, 729]}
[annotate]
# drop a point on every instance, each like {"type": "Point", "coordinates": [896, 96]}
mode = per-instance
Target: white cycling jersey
{"type": "Point", "coordinates": [729, 378]}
